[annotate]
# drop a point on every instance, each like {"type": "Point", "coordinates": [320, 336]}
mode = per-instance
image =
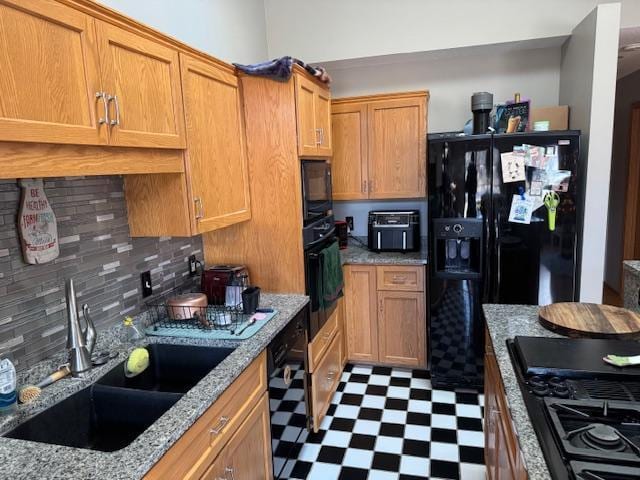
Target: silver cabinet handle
{"type": "Point", "coordinates": [321, 136]}
{"type": "Point", "coordinates": [219, 426]}
{"type": "Point", "coordinates": [364, 186]}
{"type": "Point", "coordinates": [229, 470]}
{"type": "Point", "coordinates": [105, 103]}
{"type": "Point", "coordinates": [116, 122]}
{"type": "Point", "coordinates": [371, 186]}
{"type": "Point", "coordinates": [318, 141]}
{"type": "Point", "coordinates": [199, 208]}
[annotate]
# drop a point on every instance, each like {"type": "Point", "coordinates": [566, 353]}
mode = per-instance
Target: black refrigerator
{"type": "Point", "coordinates": [510, 237]}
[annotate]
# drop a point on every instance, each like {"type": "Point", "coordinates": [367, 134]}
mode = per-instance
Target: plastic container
{"type": "Point", "coordinates": [8, 397]}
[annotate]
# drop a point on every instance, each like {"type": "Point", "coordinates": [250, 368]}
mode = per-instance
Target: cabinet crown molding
{"type": "Point", "coordinates": [381, 97]}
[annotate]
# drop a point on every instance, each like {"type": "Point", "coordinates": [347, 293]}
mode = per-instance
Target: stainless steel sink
{"type": "Point", "coordinates": [111, 413]}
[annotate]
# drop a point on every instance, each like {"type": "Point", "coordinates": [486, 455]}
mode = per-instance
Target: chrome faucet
{"type": "Point", "coordinates": [80, 341]}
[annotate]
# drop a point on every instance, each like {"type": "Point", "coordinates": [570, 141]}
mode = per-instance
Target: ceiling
{"type": "Point", "coordinates": [629, 61]}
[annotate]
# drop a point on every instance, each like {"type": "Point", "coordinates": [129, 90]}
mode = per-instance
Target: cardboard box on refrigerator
{"type": "Point", "coordinates": [558, 117]}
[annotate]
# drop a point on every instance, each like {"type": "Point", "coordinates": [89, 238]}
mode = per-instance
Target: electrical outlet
{"type": "Point", "coordinates": [145, 280]}
{"type": "Point", "coordinates": [349, 221]}
{"type": "Point", "coordinates": [193, 265]}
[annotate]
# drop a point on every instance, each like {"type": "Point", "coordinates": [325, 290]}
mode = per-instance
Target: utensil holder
{"type": "Point", "coordinates": [250, 300]}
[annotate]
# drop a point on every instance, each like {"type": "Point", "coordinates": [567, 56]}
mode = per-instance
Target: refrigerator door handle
{"type": "Point", "coordinates": [486, 261]}
{"type": "Point", "coordinates": [496, 298]}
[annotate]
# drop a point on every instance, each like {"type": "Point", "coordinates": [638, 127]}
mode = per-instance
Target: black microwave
{"type": "Point", "coordinates": [316, 190]}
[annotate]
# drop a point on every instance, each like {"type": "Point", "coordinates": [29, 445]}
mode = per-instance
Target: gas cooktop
{"type": "Point", "coordinates": [585, 413]}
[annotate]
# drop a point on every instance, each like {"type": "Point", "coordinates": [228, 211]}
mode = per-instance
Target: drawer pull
{"type": "Point", "coordinates": [398, 279]}
{"type": "Point", "coordinates": [227, 471]}
{"type": "Point", "coordinates": [330, 376]}
{"type": "Point", "coordinates": [220, 425]}
{"type": "Point", "coordinates": [326, 336]}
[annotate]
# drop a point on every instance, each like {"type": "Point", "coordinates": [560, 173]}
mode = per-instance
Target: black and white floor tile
{"type": "Point", "coordinates": [389, 424]}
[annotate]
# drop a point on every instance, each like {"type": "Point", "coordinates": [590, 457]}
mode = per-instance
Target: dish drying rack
{"type": "Point", "coordinates": [211, 317]}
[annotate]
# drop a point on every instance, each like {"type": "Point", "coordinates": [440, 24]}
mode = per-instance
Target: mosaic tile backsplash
{"type": "Point", "coordinates": [96, 250]}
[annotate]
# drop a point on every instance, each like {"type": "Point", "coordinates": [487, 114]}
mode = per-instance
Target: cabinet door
{"type": "Point", "coordinates": [308, 136]}
{"type": "Point", "coordinates": [397, 148]}
{"type": "Point", "coordinates": [248, 453]}
{"type": "Point", "coordinates": [325, 379]}
{"type": "Point", "coordinates": [49, 75]}
{"type": "Point", "coordinates": [491, 418]}
{"type": "Point", "coordinates": [361, 315]}
{"type": "Point", "coordinates": [349, 162]}
{"type": "Point", "coordinates": [402, 328]}
{"type": "Point", "coordinates": [143, 77]}
{"type": "Point", "coordinates": [216, 154]}
{"type": "Point", "coordinates": [323, 121]}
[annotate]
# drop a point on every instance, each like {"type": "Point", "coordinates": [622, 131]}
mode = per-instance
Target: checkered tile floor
{"type": "Point", "coordinates": [389, 424]}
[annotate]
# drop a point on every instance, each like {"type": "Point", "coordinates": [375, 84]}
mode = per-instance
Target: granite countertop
{"type": "Point", "coordinates": [631, 274]}
{"type": "Point", "coordinates": [22, 459]}
{"type": "Point", "coordinates": [359, 254]}
{"type": "Point", "coordinates": [505, 322]}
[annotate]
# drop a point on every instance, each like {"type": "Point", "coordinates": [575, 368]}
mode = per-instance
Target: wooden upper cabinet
{"type": "Point", "coordinates": [349, 163]}
{"type": "Point", "coordinates": [142, 78]}
{"type": "Point", "coordinates": [313, 112]}
{"type": "Point", "coordinates": [216, 155]}
{"type": "Point", "coordinates": [361, 323]}
{"type": "Point", "coordinates": [323, 121]}
{"type": "Point", "coordinates": [402, 328]}
{"type": "Point", "coordinates": [306, 114]}
{"type": "Point", "coordinates": [397, 148]}
{"type": "Point", "coordinates": [49, 74]}
{"type": "Point", "coordinates": [387, 135]}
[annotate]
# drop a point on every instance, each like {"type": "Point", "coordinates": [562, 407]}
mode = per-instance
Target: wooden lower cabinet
{"type": "Point", "coordinates": [402, 328]}
{"type": "Point", "coordinates": [325, 379]}
{"type": "Point", "coordinates": [248, 453]}
{"type": "Point", "coordinates": [361, 315]}
{"type": "Point", "coordinates": [236, 417]}
{"type": "Point", "coordinates": [385, 317]}
{"type": "Point", "coordinates": [503, 457]}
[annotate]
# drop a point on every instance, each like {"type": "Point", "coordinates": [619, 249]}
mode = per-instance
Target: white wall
{"type": "Point", "coordinates": [343, 29]}
{"type": "Point", "coordinates": [627, 93]}
{"type": "Point", "coordinates": [232, 30]}
{"type": "Point", "coordinates": [587, 85]}
{"type": "Point", "coordinates": [452, 80]}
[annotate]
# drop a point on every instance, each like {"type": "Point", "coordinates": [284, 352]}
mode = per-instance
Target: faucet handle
{"type": "Point", "coordinates": [90, 329]}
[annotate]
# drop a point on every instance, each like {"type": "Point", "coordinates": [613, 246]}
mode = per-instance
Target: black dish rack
{"type": "Point", "coordinates": [211, 317]}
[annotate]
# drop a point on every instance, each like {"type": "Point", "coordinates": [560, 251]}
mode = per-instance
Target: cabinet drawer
{"type": "Point", "coordinates": [324, 380]}
{"type": "Point", "coordinates": [322, 339]}
{"type": "Point", "coordinates": [393, 277]}
{"type": "Point", "coordinates": [199, 446]}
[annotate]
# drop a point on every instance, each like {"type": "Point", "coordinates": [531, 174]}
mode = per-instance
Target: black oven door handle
{"type": "Point", "coordinates": [323, 238]}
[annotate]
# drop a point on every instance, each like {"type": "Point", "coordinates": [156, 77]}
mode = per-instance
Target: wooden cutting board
{"type": "Point", "coordinates": [590, 320]}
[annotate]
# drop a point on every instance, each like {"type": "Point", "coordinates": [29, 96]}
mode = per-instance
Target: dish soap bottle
{"type": "Point", "coordinates": [133, 333]}
{"type": "Point", "coordinates": [8, 397]}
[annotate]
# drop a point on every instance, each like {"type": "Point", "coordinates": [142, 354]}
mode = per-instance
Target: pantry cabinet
{"type": "Point", "coordinates": [142, 80]}
{"type": "Point", "coordinates": [214, 191]}
{"type": "Point", "coordinates": [503, 457]}
{"type": "Point", "coordinates": [385, 318]}
{"type": "Point", "coordinates": [380, 146]}
{"type": "Point", "coordinates": [49, 79]}
{"type": "Point", "coordinates": [313, 118]}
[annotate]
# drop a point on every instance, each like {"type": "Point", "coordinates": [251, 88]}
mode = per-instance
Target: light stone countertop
{"type": "Point", "coordinates": [505, 322]}
{"type": "Point", "coordinates": [631, 274]}
{"type": "Point", "coordinates": [360, 255]}
{"type": "Point", "coordinates": [20, 459]}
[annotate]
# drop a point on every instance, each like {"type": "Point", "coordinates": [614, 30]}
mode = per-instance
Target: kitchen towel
{"type": "Point", "coordinates": [331, 279]}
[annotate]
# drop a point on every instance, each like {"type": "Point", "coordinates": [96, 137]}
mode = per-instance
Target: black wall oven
{"type": "Point", "coordinates": [313, 273]}
{"type": "Point", "coordinates": [316, 190]}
